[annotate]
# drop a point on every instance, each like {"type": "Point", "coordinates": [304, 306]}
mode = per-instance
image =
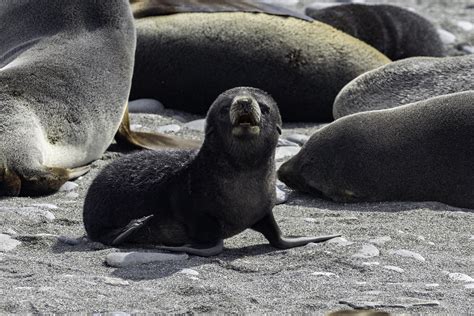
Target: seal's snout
{"type": "Point", "coordinates": [245, 116]}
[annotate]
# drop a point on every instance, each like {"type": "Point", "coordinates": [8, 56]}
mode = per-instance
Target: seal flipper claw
{"type": "Point", "coordinates": [269, 228]}
{"type": "Point", "coordinates": [148, 140]}
{"type": "Point", "coordinates": [197, 250]}
{"type": "Point", "coordinates": [124, 232]}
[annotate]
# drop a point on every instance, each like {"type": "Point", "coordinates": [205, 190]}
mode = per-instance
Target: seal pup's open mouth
{"type": "Point", "coordinates": [245, 115]}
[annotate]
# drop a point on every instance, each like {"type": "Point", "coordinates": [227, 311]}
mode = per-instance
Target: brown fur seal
{"type": "Point", "coordinates": [417, 152]}
{"type": "Point", "coordinates": [396, 32]}
{"type": "Point", "coordinates": [191, 201]}
{"type": "Point", "coordinates": [65, 73]}
{"type": "Point", "coordinates": [185, 59]}
{"type": "Point", "coordinates": [405, 81]}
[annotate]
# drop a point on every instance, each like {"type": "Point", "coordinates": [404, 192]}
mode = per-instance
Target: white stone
{"type": "Point", "coordinates": [300, 139]}
{"type": "Point", "coordinates": [68, 186]}
{"type": "Point", "coordinates": [340, 241]}
{"type": "Point", "coordinates": [150, 106]}
{"type": "Point", "coordinates": [124, 259]}
{"type": "Point", "coordinates": [465, 25]}
{"type": "Point", "coordinates": [367, 251]}
{"type": "Point", "coordinates": [281, 196]}
{"type": "Point", "coordinates": [46, 205]}
{"type": "Point", "coordinates": [115, 281]}
{"type": "Point", "coordinates": [325, 274]}
{"type": "Point", "coordinates": [171, 128]}
{"type": "Point", "coordinates": [72, 195]}
{"type": "Point", "coordinates": [196, 125]}
{"type": "Point", "coordinates": [446, 37]}
{"type": "Point", "coordinates": [286, 151]}
{"type": "Point", "coordinates": [380, 240]}
{"type": "Point", "coordinates": [312, 220]}
{"type": "Point", "coordinates": [461, 277]}
{"type": "Point", "coordinates": [469, 286]}
{"type": "Point", "coordinates": [189, 272]}
{"type": "Point", "coordinates": [371, 263]}
{"type": "Point", "coordinates": [70, 240]}
{"type": "Point", "coordinates": [408, 254]}
{"type": "Point", "coordinates": [394, 268]}
{"type": "Point", "coordinates": [468, 49]}
{"type": "Point", "coordinates": [432, 285]}
{"type": "Point", "coordinates": [33, 214]}
{"type": "Point", "coordinates": [7, 243]}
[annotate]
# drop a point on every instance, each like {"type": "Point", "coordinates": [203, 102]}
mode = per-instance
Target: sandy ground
{"type": "Point", "coordinates": [406, 258]}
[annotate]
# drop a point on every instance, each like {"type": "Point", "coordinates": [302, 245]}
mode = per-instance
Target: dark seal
{"type": "Point", "coordinates": [191, 201]}
{"type": "Point", "coordinates": [396, 32]}
{"type": "Point", "coordinates": [416, 152]}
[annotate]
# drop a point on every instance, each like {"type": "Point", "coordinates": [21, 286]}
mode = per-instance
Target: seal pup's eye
{"type": "Point", "coordinates": [225, 109]}
{"type": "Point", "coordinates": [265, 109]}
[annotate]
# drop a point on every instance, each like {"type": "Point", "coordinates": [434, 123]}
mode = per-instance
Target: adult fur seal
{"type": "Point", "coordinates": [185, 59]}
{"type": "Point", "coordinates": [416, 152]}
{"type": "Point", "coordinates": [396, 32]}
{"type": "Point", "coordinates": [190, 201]}
{"type": "Point", "coordinates": [405, 81]}
{"type": "Point", "coordinates": [65, 73]}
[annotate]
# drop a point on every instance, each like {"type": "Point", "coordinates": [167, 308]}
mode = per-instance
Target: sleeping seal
{"type": "Point", "coordinates": [190, 201]}
{"type": "Point", "coordinates": [185, 59]}
{"type": "Point", "coordinates": [65, 73]}
{"type": "Point", "coordinates": [396, 32]}
{"type": "Point", "coordinates": [405, 81]}
{"type": "Point", "coordinates": [416, 152]}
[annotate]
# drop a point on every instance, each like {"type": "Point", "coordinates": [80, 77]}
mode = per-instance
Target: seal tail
{"type": "Point", "coordinates": [125, 136]}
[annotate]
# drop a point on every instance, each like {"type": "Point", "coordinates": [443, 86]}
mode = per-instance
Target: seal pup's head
{"type": "Point", "coordinates": [244, 122]}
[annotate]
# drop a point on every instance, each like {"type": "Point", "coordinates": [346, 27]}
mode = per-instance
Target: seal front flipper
{"type": "Point", "coordinates": [121, 234]}
{"type": "Point", "coordinates": [125, 136]}
{"type": "Point", "coordinates": [269, 228]}
{"type": "Point", "coordinates": [202, 250]}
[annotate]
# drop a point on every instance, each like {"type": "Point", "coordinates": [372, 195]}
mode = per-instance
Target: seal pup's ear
{"type": "Point", "coordinates": [279, 129]}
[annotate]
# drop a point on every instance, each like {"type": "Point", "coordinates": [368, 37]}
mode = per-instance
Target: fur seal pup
{"type": "Point", "coordinates": [65, 73]}
{"type": "Point", "coordinates": [405, 81]}
{"type": "Point", "coordinates": [191, 201]}
{"type": "Point", "coordinates": [396, 32]}
{"type": "Point", "coordinates": [187, 58]}
{"type": "Point", "coordinates": [416, 152]}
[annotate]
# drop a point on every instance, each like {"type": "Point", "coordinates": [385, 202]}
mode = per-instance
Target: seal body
{"type": "Point", "coordinates": [195, 199]}
{"type": "Point", "coordinates": [417, 152]}
{"type": "Point", "coordinates": [405, 81]}
{"type": "Point", "coordinates": [65, 73]}
{"type": "Point", "coordinates": [396, 32]}
{"type": "Point", "coordinates": [186, 59]}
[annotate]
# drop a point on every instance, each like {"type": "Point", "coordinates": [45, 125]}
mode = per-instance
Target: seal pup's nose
{"type": "Point", "coordinates": [245, 115]}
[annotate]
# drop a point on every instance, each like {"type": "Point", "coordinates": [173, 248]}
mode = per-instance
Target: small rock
{"type": "Point", "coordinates": [407, 253]}
{"type": "Point", "coordinates": [380, 240]}
{"type": "Point", "coordinates": [150, 106]}
{"type": "Point", "coordinates": [189, 272]}
{"type": "Point", "coordinates": [124, 259]}
{"type": "Point", "coordinates": [461, 277]}
{"type": "Point", "coordinates": [367, 251]}
{"type": "Point", "coordinates": [465, 25]}
{"type": "Point", "coordinates": [360, 283]}
{"type": "Point", "coordinates": [171, 128]}
{"type": "Point", "coordinates": [31, 213]}
{"type": "Point", "coordinates": [446, 37]}
{"type": "Point", "coordinates": [135, 127]}
{"type": "Point", "coordinates": [46, 205]}
{"type": "Point", "coordinates": [313, 220]}
{"type": "Point", "coordinates": [7, 243]}
{"type": "Point", "coordinates": [371, 263]}
{"type": "Point", "coordinates": [326, 274]}
{"type": "Point", "coordinates": [68, 186]}
{"type": "Point", "coordinates": [70, 240]}
{"type": "Point", "coordinates": [394, 268]}
{"type": "Point", "coordinates": [469, 286]}
{"type": "Point", "coordinates": [467, 48]}
{"type": "Point", "coordinates": [281, 196]}
{"type": "Point", "coordinates": [196, 125]}
{"type": "Point", "coordinates": [340, 241]}
{"type": "Point", "coordinates": [284, 142]}
{"type": "Point", "coordinates": [72, 195]}
{"type": "Point", "coordinates": [472, 237]}
{"type": "Point", "coordinates": [300, 139]}
{"type": "Point", "coordinates": [115, 281]}
{"type": "Point", "coordinates": [287, 151]}
{"type": "Point", "coordinates": [432, 285]}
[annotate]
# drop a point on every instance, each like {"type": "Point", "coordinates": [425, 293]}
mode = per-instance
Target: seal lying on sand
{"type": "Point", "coordinates": [65, 73]}
{"type": "Point", "coordinates": [187, 58]}
{"type": "Point", "coordinates": [190, 201]}
{"type": "Point", "coordinates": [396, 32]}
{"type": "Point", "coordinates": [417, 152]}
{"type": "Point", "coordinates": [405, 81]}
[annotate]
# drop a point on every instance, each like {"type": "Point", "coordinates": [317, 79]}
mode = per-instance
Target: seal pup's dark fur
{"type": "Point", "coordinates": [191, 201]}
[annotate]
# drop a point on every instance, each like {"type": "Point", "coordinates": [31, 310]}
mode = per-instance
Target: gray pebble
{"type": "Point", "coordinates": [380, 240]}
{"type": "Point", "coordinates": [432, 285]}
{"type": "Point", "coordinates": [150, 106]}
{"type": "Point", "coordinates": [114, 281]}
{"type": "Point", "coordinates": [196, 125]}
{"type": "Point", "coordinates": [31, 213]}
{"type": "Point", "coordinates": [394, 268]}
{"type": "Point", "coordinates": [70, 240]}
{"type": "Point", "coordinates": [325, 274]}
{"type": "Point", "coordinates": [68, 186]}
{"type": "Point", "coordinates": [189, 272]}
{"type": "Point", "coordinates": [124, 259]}
{"type": "Point", "coordinates": [7, 243]}
{"type": "Point", "coordinates": [286, 152]}
{"type": "Point", "coordinates": [465, 25]}
{"type": "Point", "coordinates": [469, 286]}
{"type": "Point", "coordinates": [367, 251]}
{"type": "Point", "coordinates": [408, 254]}
{"type": "Point", "coordinates": [371, 263]}
{"type": "Point", "coordinates": [340, 241]}
{"type": "Point", "coordinates": [281, 196]}
{"type": "Point", "coordinates": [461, 277]}
{"type": "Point", "coordinates": [284, 142]}
{"type": "Point", "coordinates": [467, 48]}
{"type": "Point", "coordinates": [300, 139]}
{"type": "Point", "coordinates": [72, 195]}
{"type": "Point", "coordinates": [171, 128]}
{"type": "Point", "coordinates": [46, 205]}
{"type": "Point", "coordinates": [446, 37]}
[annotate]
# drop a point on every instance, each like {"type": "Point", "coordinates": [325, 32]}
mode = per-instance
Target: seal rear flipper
{"type": "Point", "coordinates": [125, 136]}
{"type": "Point", "coordinates": [75, 173]}
{"type": "Point", "coordinates": [197, 249]}
{"type": "Point", "coordinates": [269, 228]}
